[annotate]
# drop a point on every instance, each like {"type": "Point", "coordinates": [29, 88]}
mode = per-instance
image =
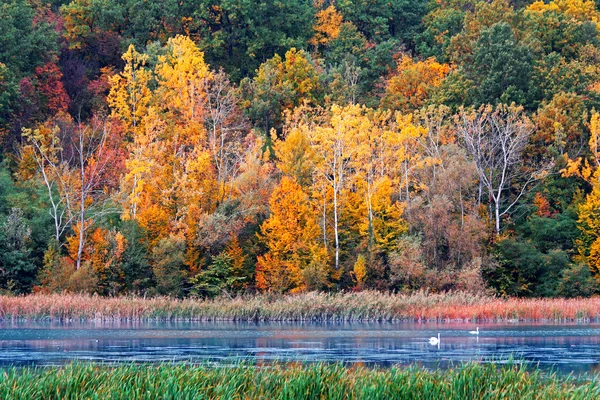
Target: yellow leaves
{"type": "Point", "coordinates": [540, 6]}
{"type": "Point", "coordinates": [300, 72]}
{"type": "Point", "coordinates": [359, 271]}
{"type": "Point", "coordinates": [573, 167]}
{"type": "Point", "coordinates": [581, 10]}
{"type": "Point", "coordinates": [130, 95]}
{"type": "Point", "coordinates": [181, 74]}
{"type": "Point", "coordinates": [594, 137]}
{"type": "Point", "coordinates": [589, 211]}
{"type": "Point", "coordinates": [295, 156]}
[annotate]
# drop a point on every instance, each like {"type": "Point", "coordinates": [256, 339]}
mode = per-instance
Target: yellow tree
{"type": "Point", "coordinates": [336, 145]}
{"type": "Point", "coordinates": [129, 99]}
{"type": "Point", "coordinates": [170, 179]}
{"type": "Point", "coordinates": [582, 10]}
{"type": "Point", "coordinates": [403, 153]}
{"type": "Point", "coordinates": [296, 259]}
{"type": "Point", "coordinates": [295, 156]}
{"type": "Point", "coordinates": [130, 94]}
{"type": "Point", "coordinates": [588, 244]}
{"type": "Point", "coordinates": [181, 74]}
{"type": "Point", "coordinates": [182, 78]}
{"type": "Point", "coordinates": [379, 218]}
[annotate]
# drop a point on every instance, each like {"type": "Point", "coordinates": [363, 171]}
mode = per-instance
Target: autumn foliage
{"type": "Point", "coordinates": [222, 148]}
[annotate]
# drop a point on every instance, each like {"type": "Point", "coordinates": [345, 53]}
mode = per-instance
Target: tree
{"type": "Point", "coordinates": [130, 94]}
{"type": "Point", "coordinates": [495, 139]}
{"type": "Point", "coordinates": [439, 25]}
{"type": "Point", "coordinates": [397, 19]}
{"type": "Point", "coordinates": [295, 157]}
{"type": "Point", "coordinates": [17, 268]}
{"type": "Point", "coordinates": [239, 35]}
{"type": "Point", "coordinates": [561, 128]}
{"type": "Point", "coordinates": [502, 67]}
{"type": "Point", "coordinates": [23, 44]}
{"type": "Point", "coordinates": [335, 145]}
{"type": "Point", "coordinates": [414, 83]}
{"type": "Point", "coordinates": [226, 127]}
{"type": "Point", "coordinates": [326, 26]}
{"type": "Point", "coordinates": [219, 278]}
{"type": "Point", "coordinates": [75, 164]}
{"type": "Point", "coordinates": [588, 222]}
{"type": "Point", "coordinates": [291, 235]}
{"type": "Point", "coordinates": [168, 266]}
{"type": "Point", "coordinates": [444, 209]}
{"type": "Point", "coordinates": [280, 85]}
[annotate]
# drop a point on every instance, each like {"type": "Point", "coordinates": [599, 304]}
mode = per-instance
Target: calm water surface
{"type": "Point", "coordinates": [561, 348]}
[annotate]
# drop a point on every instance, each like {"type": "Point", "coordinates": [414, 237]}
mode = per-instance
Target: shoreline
{"type": "Point", "coordinates": [367, 306]}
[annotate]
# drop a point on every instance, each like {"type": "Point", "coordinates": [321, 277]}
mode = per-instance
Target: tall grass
{"type": "Point", "coordinates": [362, 306]}
{"type": "Point", "coordinates": [469, 381]}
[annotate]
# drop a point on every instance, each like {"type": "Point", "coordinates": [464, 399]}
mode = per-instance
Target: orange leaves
{"type": "Point", "coordinates": [543, 206]}
{"type": "Point", "coordinates": [327, 26]}
{"type": "Point", "coordinates": [291, 234]}
{"type": "Point", "coordinates": [414, 83]}
{"type": "Point", "coordinates": [170, 179]}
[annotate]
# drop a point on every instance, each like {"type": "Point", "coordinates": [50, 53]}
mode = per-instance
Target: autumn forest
{"type": "Point", "coordinates": [221, 147]}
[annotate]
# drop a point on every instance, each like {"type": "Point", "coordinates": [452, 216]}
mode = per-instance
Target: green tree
{"type": "Point", "coordinates": [137, 273]}
{"type": "Point", "coordinates": [168, 265]}
{"type": "Point", "coordinates": [219, 278]}
{"type": "Point", "coordinates": [23, 44]}
{"type": "Point", "coordinates": [17, 269]}
{"type": "Point", "coordinates": [280, 85]}
{"type": "Point", "coordinates": [240, 34]}
{"type": "Point", "coordinates": [502, 67]}
{"type": "Point", "coordinates": [381, 20]}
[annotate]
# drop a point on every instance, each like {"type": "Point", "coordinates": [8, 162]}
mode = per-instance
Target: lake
{"type": "Point", "coordinates": [573, 348]}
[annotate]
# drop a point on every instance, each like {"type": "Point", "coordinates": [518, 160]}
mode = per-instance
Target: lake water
{"type": "Point", "coordinates": [561, 348]}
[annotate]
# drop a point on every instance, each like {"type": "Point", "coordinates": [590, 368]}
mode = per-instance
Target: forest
{"type": "Point", "coordinates": [218, 147]}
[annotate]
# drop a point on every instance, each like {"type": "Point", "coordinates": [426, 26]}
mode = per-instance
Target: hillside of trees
{"type": "Point", "coordinates": [202, 147]}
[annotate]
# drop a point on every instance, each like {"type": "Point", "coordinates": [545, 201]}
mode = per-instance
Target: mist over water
{"type": "Point", "coordinates": [565, 349]}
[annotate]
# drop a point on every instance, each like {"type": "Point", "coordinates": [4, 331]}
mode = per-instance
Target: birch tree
{"type": "Point", "coordinates": [495, 139]}
{"type": "Point", "coordinates": [74, 163]}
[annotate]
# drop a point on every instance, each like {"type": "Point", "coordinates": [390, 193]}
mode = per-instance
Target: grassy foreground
{"type": "Point", "coordinates": [470, 381]}
{"type": "Point", "coordinates": [362, 306]}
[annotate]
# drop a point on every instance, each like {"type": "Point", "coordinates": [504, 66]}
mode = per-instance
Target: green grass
{"type": "Point", "coordinates": [319, 381]}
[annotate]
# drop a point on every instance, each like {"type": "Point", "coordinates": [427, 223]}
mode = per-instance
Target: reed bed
{"type": "Point", "coordinates": [319, 381]}
{"type": "Point", "coordinates": [314, 306]}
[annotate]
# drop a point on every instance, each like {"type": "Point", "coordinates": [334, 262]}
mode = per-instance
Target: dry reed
{"type": "Point", "coordinates": [362, 306]}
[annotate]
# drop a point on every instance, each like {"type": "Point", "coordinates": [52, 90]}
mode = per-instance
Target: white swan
{"type": "Point", "coordinates": [434, 340]}
{"type": "Point", "coordinates": [475, 332]}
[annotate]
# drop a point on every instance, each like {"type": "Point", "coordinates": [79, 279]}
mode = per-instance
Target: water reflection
{"type": "Point", "coordinates": [563, 348]}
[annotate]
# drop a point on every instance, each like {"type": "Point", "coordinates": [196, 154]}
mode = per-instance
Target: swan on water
{"type": "Point", "coordinates": [434, 340]}
{"type": "Point", "coordinates": [475, 332]}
